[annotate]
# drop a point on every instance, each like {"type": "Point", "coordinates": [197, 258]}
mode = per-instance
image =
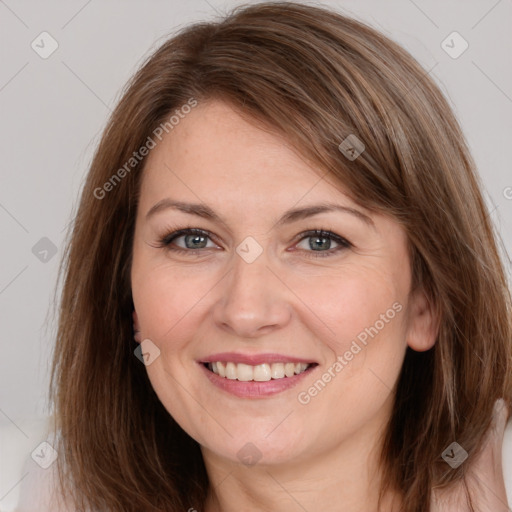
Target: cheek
{"type": "Point", "coordinates": [349, 300]}
{"type": "Point", "coordinates": [164, 296]}
{"type": "Point", "coordinates": [362, 311]}
{"type": "Point", "coordinates": [167, 302]}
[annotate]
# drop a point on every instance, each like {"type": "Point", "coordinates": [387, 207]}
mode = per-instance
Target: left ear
{"type": "Point", "coordinates": [136, 327]}
{"type": "Point", "coordinates": [423, 322]}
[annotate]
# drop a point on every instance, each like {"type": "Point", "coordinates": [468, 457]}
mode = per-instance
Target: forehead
{"type": "Point", "coordinates": [215, 150]}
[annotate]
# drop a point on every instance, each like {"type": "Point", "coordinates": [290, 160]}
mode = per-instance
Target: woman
{"type": "Point", "coordinates": [261, 374]}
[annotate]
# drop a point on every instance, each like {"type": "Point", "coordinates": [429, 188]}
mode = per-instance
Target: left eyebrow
{"type": "Point", "coordinates": [293, 215]}
{"type": "Point", "coordinates": [308, 211]}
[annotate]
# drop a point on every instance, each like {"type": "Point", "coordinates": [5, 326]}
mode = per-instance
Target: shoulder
{"type": "Point", "coordinates": [39, 487]}
{"type": "Point", "coordinates": [507, 459]}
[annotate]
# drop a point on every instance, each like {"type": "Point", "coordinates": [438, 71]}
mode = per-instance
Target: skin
{"type": "Point", "coordinates": [320, 455]}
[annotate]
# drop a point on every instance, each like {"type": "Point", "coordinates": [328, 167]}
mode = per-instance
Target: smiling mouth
{"type": "Point", "coordinates": [258, 373]}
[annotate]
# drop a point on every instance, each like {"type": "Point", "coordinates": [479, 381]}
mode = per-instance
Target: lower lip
{"type": "Point", "coordinates": [253, 389]}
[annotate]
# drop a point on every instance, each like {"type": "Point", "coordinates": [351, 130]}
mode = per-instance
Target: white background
{"type": "Point", "coordinates": [53, 111]}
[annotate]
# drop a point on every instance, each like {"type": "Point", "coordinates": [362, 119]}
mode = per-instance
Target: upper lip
{"type": "Point", "coordinates": [253, 359]}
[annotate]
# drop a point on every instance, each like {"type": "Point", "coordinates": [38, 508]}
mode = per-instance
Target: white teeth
{"type": "Point", "coordinates": [289, 369]}
{"type": "Point", "coordinates": [262, 372]}
{"type": "Point", "coordinates": [231, 371]}
{"type": "Point", "coordinates": [243, 372]}
{"type": "Point", "coordinates": [259, 373]}
{"type": "Point", "coordinates": [277, 371]}
{"type": "Point", "coordinates": [300, 367]}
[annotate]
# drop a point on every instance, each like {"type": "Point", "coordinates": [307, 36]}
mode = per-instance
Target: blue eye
{"type": "Point", "coordinates": [320, 242]}
{"type": "Point", "coordinates": [195, 239]}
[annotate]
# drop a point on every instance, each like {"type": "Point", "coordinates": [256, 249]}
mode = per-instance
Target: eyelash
{"type": "Point", "coordinates": [165, 241]}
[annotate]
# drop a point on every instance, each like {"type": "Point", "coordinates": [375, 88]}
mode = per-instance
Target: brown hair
{"type": "Point", "coordinates": [315, 76]}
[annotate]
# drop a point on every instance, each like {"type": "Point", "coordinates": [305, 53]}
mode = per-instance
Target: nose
{"type": "Point", "coordinates": [253, 301]}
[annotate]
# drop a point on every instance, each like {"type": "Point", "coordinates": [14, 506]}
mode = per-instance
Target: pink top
{"type": "Point", "coordinates": [38, 489]}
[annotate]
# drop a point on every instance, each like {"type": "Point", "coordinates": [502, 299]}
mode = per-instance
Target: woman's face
{"type": "Point", "coordinates": [261, 296]}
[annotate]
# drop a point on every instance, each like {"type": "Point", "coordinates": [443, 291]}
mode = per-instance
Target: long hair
{"type": "Point", "coordinates": [317, 77]}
